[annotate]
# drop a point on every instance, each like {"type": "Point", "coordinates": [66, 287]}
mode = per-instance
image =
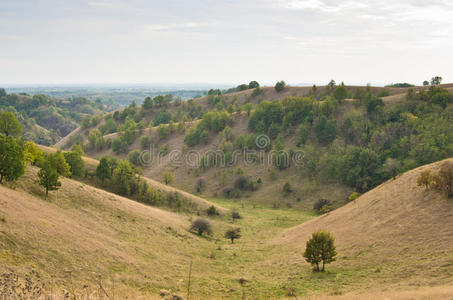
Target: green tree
{"type": "Point", "coordinates": [148, 103]}
{"type": "Point", "coordinates": [48, 176]}
{"type": "Point", "coordinates": [9, 125]}
{"type": "Point", "coordinates": [426, 179]}
{"type": "Point", "coordinates": [32, 154]}
{"type": "Point", "coordinates": [76, 163]}
{"type": "Point", "coordinates": [201, 226]}
{"type": "Point", "coordinates": [320, 249]}
{"type": "Point", "coordinates": [168, 177]}
{"type": "Point", "coordinates": [436, 80]}
{"type": "Point", "coordinates": [425, 83]}
{"type": "Point", "coordinates": [123, 177]}
{"type": "Point", "coordinates": [280, 85]}
{"type": "Point", "coordinates": [233, 234]}
{"type": "Point", "coordinates": [253, 84]}
{"type": "Point", "coordinates": [60, 164]}
{"type": "Point", "coordinates": [103, 169]}
{"type": "Point", "coordinates": [12, 164]}
{"type": "Point", "coordinates": [134, 158]}
{"type": "Point", "coordinates": [340, 92]}
{"type": "Point", "coordinates": [145, 141]}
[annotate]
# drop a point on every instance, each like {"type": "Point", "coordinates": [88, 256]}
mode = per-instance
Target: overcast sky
{"type": "Point", "coordinates": [225, 41]}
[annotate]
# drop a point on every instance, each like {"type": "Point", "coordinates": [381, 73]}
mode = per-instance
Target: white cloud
{"type": "Point", "coordinates": [164, 27]}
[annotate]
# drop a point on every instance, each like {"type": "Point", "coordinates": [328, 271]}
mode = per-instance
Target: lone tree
{"type": "Point", "coordinates": [168, 177]}
{"type": "Point", "coordinates": [280, 85]}
{"type": "Point", "coordinates": [48, 176]}
{"type": "Point", "coordinates": [201, 226]}
{"type": "Point", "coordinates": [392, 167]}
{"type": "Point", "coordinates": [320, 249]}
{"type": "Point", "coordinates": [233, 234]}
{"type": "Point", "coordinates": [425, 83]}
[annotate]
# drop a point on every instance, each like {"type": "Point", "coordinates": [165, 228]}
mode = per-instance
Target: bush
{"type": "Point", "coordinates": [201, 226]}
{"type": "Point", "coordinates": [287, 188]}
{"type": "Point", "coordinates": [212, 211]}
{"type": "Point", "coordinates": [353, 196]}
{"type": "Point", "coordinates": [134, 158]}
{"type": "Point", "coordinates": [426, 179]}
{"type": "Point", "coordinates": [235, 215]}
{"type": "Point", "coordinates": [199, 186]}
{"type": "Point", "coordinates": [145, 141]}
{"type": "Point", "coordinates": [241, 183]}
{"type": "Point", "coordinates": [320, 203]}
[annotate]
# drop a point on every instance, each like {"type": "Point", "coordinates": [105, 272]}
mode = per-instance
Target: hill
{"type": "Point", "coordinates": [397, 236]}
{"type": "Point", "coordinates": [328, 135]}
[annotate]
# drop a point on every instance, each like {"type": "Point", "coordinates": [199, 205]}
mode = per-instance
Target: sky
{"type": "Point", "coordinates": [225, 41]}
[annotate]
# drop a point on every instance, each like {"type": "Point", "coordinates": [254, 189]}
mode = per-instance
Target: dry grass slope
{"type": "Point", "coordinates": [398, 231]}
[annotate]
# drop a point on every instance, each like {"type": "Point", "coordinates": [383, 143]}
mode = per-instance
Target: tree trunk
{"type": "Point", "coordinates": [323, 266]}
{"type": "Point", "coordinates": [232, 240]}
{"type": "Point", "coordinates": [317, 267]}
{"type": "Point", "coordinates": [1, 178]}
{"type": "Point", "coordinates": [47, 192]}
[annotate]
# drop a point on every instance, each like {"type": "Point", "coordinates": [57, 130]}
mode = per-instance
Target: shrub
{"type": "Point", "coordinates": [212, 211]}
{"type": "Point", "coordinates": [287, 188]}
{"type": "Point", "coordinates": [201, 226]}
{"type": "Point", "coordinates": [168, 177]}
{"type": "Point", "coordinates": [320, 203]}
{"type": "Point", "coordinates": [235, 215]}
{"type": "Point", "coordinates": [320, 248]}
{"type": "Point", "coordinates": [241, 183]}
{"type": "Point", "coordinates": [353, 196]}
{"type": "Point", "coordinates": [134, 158]}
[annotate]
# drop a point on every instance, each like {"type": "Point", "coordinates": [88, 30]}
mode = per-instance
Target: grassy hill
{"type": "Point", "coordinates": [397, 236]}
{"type": "Point", "coordinates": [393, 241]}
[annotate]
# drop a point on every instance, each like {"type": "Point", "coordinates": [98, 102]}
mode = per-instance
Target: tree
{"type": "Point", "coordinates": [2, 92]}
{"type": "Point", "coordinates": [134, 158]}
{"type": "Point", "coordinates": [233, 234]}
{"type": "Point", "coordinates": [9, 124]}
{"type": "Point", "coordinates": [148, 103]}
{"type": "Point", "coordinates": [391, 167]}
{"type": "Point", "coordinates": [340, 92]}
{"type": "Point", "coordinates": [320, 248]}
{"type": "Point", "coordinates": [332, 85]}
{"type": "Point", "coordinates": [60, 164]}
{"type": "Point", "coordinates": [436, 80]}
{"type": "Point", "coordinates": [199, 186]}
{"type": "Point", "coordinates": [280, 85]}
{"type": "Point", "coordinates": [32, 154]}
{"type": "Point", "coordinates": [425, 179]}
{"type": "Point", "coordinates": [201, 226]}
{"type": "Point", "coordinates": [11, 159]}
{"type": "Point", "coordinates": [444, 181]}
{"type": "Point", "coordinates": [425, 83]}
{"type": "Point", "coordinates": [145, 141]}
{"type": "Point", "coordinates": [123, 177]}
{"type": "Point", "coordinates": [76, 163]}
{"type": "Point", "coordinates": [48, 176]}
{"type": "Point", "coordinates": [253, 84]}
{"type": "Point", "coordinates": [103, 169]}
{"type": "Point", "coordinates": [168, 177]}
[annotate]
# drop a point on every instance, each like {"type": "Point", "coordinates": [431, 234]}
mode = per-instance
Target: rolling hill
{"type": "Point", "coordinates": [397, 236]}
